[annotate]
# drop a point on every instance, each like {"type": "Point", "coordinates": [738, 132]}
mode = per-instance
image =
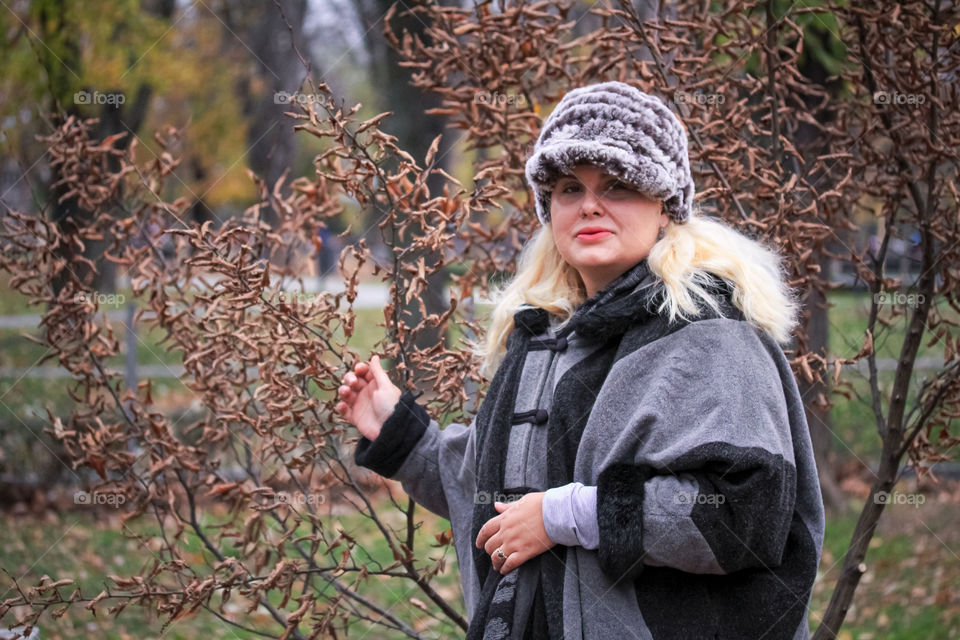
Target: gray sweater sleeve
{"type": "Point", "coordinates": [570, 515]}
{"type": "Point", "coordinates": [434, 466]}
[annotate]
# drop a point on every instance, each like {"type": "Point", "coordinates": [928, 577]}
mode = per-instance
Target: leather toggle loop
{"type": "Point", "coordinates": [554, 344]}
{"type": "Point", "coordinates": [536, 416]}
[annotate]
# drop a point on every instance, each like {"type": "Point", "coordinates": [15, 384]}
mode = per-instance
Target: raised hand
{"type": "Point", "coordinates": [367, 397]}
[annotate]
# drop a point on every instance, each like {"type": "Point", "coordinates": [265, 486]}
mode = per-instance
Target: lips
{"type": "Point", "coordinates": [590, 233]}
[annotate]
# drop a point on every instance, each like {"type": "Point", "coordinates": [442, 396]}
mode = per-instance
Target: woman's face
{"type": "Point", "coordinates": [589, 198]}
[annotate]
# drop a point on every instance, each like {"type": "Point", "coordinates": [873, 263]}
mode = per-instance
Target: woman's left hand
{"type": "Point", "coordinates": [518, 529]}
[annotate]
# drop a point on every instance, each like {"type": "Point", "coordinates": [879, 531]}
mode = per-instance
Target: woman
{"type": "Point", "coordinates": [641, 464]}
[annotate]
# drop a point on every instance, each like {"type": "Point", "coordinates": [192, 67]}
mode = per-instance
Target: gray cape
{"type": "Point", "coordinates": [709, 509]}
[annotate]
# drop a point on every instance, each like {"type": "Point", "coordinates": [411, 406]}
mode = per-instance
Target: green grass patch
{"type": "Point", "coordinates": [853, 420]}
{"type": "Point", "coordinates": [88, 547]}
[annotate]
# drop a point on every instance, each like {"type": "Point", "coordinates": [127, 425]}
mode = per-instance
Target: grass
{"type": "Point", "coordinates": [89, 546]}
{"type": "Point", "coordinates": [853, 421]}
{"type": "Point", "coordinates": [81, 547]}
{"type": "Point", "coordinates": [909, 589]}
{"type": "Point", "coordinates": [849, 313]}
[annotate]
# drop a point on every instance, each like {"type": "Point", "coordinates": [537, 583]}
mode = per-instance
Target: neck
{"type": "Point", "coordinates": [594, 281]}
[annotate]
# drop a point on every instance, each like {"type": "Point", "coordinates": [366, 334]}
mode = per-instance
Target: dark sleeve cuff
{"type": "Point", "coordinates": [398, 435]}
{"type": "Point", "coordinates": [620, 489]}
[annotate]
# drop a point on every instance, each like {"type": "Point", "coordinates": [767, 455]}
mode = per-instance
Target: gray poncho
{"type": "Point", "coordinates": [708, 505]}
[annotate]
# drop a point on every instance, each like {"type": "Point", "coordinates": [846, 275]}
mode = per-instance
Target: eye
{"type": "Point", "coordinates": [617, 187]}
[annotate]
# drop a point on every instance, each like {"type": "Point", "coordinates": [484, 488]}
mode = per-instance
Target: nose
{"type": "Point", "coordinates": [590, 203]}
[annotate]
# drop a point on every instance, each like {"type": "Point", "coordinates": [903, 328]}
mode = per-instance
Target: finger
{"type": "Point", "coordinates": [484, 535]}
{"type": "Point", "coordinates": [513, 561]}
{"type": "Point", "coordinates": [344, 392]}
{"type": "Point", "coordinates": [378, 373]}
{"type": "Point", "coordinates": [363, 371]}
{"type": "Point", "coordinates": [497, 562]}
{"type": "Point", "coordinates": [488, 529]}
{"type": "Point", "coordinates": [496, 540]}
{"type": "Point", "coordinates": [356, 383]}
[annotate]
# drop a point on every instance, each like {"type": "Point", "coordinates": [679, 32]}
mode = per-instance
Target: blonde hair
{"type": "Point", "coordinates": [682, 261]}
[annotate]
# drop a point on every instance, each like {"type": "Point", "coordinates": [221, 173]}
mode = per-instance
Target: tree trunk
{"type": "Point", "coordinates": [270, 137]}
{"type": "Point", "coordinates": [415, 131]}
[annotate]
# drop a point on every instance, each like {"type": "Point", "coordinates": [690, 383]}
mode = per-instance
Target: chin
{"type": "Point", "coordinates": [593, 260]}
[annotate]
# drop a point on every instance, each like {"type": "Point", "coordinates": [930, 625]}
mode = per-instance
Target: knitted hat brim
{"type": "Point", "coordinates": [549, 164]}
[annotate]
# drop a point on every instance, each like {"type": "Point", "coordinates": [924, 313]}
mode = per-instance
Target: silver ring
{"type": "Point", "coordinates": [500, 553]}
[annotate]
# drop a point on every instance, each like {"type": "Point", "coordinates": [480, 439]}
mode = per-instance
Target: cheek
{"type": "Point", "coordinates": [645, 231]}
{"type": "Point", "coordinates": [560, 241]}
{"type": "Point", "coordinates": [562, 222]}
{"type": "Point", "coordinates": [641, 220]}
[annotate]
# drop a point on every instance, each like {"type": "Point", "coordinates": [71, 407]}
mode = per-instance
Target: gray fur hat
{"type": "Point", "coordinates": [624, 131]}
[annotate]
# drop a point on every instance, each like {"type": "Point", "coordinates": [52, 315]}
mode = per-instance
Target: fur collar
{"type": "Point", "coordinates": [610, 311]}
{"type": "Point", "coordinates": [628, 299]}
